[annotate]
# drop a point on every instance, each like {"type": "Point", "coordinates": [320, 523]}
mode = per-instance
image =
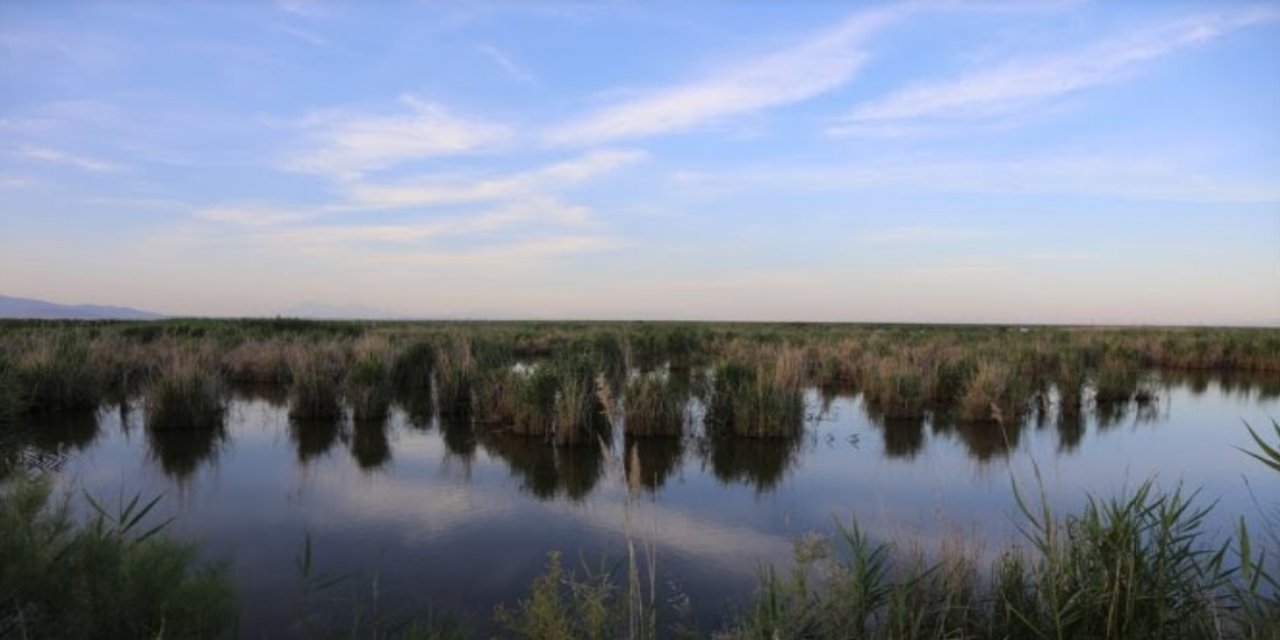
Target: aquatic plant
{"type": "Point", "coordinates": [368, 383]}
{"type": "Point", "coordinates": [995, 393]}
{"type": "Point", "coordinates": [578, 417]}
{"type": "Point", "coordinates": [114, 575]}
{"type": "Point", "coordinates": [654, 406]}
{"type": "Point", "coordinates": [414, 365]}
{"type": "Point", "coordinates": [314, 392]}
{"type": "Point", "coordinates": [535, 397]}
{"type": "Point", "coordinates": [761, 400]}
{"type": "Point", "coordinates": [494, 396]}
{"type": "Point", "coordinates": [188, 394]}
{"type": "Point", "coordinates": [56, 375]}
{"type": "Point", "coordinates": [455, 371]}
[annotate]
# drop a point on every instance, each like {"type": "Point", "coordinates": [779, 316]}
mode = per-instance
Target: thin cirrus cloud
{"type": "Point", "coordinates": [504, 62]}
{"type": "Point", "coordinates": [536, 212]}
{"type": "Point", "coordinates": [822, 63]}
{"type": "Point", "coordinates": [346, 145]}
{"type": "Point", "coordinates": [55, 156]}
{"type": "Point", "coordinates": [1127, 176]}
{"type": "Point", "coordinates": [435, 190]}
{"type": "Point", "coordinates": [912, 235]}
{"type": "Point", "coordinates": [1020, 83]}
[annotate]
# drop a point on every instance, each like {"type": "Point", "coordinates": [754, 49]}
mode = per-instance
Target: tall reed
{"type": "Point", "coordinates": [368, 382]}
{"type": "Point", "coordinates": [188, 394]}
{"type": "Point", "coordinates": [654, 406]}
{"type": "Point", "coordinates": [315, 392]}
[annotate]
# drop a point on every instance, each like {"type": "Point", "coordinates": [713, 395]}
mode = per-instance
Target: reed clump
{"type": "Point", "coordinates": [368, 383]}
{"type": "Point", "coordinates": [654, 406]}
{"type": "Point", "coordinates": [494, 396]}
{"type": "Point", "coordinates": [315, 392]}
{"type": "Point", "coordinates": [994, 394]}
{"type": "Point", "coordinates": [261, 362]}
{"type": "Point", "coordinates": [893, 387]}
{"type": "Point", "coordinates": [414, 366]}
{"type": "Point", "coordinates": [56, 375]}
{"type": "Point", "coordinates": [760, 400]}
{"type": "Point", "coordinates": [188, 394]}
{"type": "Point", "coordinates": [578, 418]}
{"type": "Point", "coordinates": [455, 372]}
{"type": "Point", "coordinates": [535, 397]}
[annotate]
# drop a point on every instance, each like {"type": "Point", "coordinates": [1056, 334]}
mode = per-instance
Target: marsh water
{"type": "Point", "coordinates": [418, 514]}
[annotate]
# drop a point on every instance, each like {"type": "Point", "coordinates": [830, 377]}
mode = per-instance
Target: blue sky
{"type": "Point", "coordinates": [1080, 162]}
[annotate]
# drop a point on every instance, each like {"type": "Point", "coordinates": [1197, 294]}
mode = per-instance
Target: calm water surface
{"type": "Point", "coordinates": [418, 513]}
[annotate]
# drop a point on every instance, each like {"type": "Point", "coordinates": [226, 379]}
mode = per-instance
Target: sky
{"type": "Point", "coordinates": [987, 161]}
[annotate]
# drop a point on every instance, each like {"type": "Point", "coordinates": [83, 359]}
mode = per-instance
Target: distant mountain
{"type": "Point", "coordinates": [320, 311]}
{"type": "Point", "coordinates": [11, 307]}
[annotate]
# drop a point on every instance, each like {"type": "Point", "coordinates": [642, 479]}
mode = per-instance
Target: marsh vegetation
{"type": "Point", "coordinates": [572, 413]}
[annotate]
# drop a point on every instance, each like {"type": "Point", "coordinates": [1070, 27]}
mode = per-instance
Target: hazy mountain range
{"type": "Point", "coordinates": [30, 308]}
{"type": "Point", "coordinates": [11, 307]}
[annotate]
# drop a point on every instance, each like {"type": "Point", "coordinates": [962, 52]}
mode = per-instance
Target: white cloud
{"type": "Point", "coordinates": [500, 58]}
{"type": "Point", "coordinates": [534, 212]}
{"type": "Point", "coordinates": [303, 8]}
{"type": "Point", "coordinates": [54, 156]}
{"type": "Point", "coordinates": [346, 145]}
{"type": "Point", "coordinates": [1018, 83]}
{"type": "Point", "coordinates": [826, 61]}
{"type": "Point", "coordinates": [251, 215]}
{"type": "Point", "coordinates": [438, 190]}
{"type": "Point", "coordinates": [1119, 176]}
{"type": "Point", "coordinates": [8, 181]}
{"type": "Point", "coordinates": [919, 235]}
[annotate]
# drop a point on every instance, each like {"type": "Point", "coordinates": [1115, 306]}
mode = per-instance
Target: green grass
{"type": "Point", "coordinates": [115, 575]}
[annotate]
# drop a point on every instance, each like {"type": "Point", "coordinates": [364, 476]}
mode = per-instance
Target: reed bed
{"type": "Point", "coordinates": [966, 374]}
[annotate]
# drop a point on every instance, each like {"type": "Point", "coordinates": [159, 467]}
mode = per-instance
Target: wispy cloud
{"type": "Point", "coordinates": [1019, 83]}
{"type": "Point", "coordinates": [250, 214]}
{"type": "Point", "coordinates": [1121, 176]}
{"type": "Point", "coordinates": [824, 62]}
{"type": "Point", "coordinates": [910, 235]}
{"type": "Point", "coordinates": [450, 190]}
{"type": "Point", "coordinates": [55, 156]}
{"type": "Point", "coordinates": [346, 144]}
{"type": "Point", "coordinates": [504, 62]}
{"type": "Point", "coordinates": [17, 182]}
{"type": "Point", "coordinates": [303, 8]}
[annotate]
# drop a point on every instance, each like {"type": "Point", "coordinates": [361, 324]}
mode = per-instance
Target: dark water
{"type": "Point", "coordinates": [418, 513]}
